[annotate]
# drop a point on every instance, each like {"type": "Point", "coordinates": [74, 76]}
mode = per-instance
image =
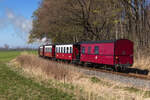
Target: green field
{"type": "Point", "coordinates": [14, 86]}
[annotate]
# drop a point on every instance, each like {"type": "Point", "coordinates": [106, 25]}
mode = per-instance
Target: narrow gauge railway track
{"type": "Point", "coordinates": [140, 76]}
{"type": "Point", "coordinates": [134, 80]}
{"type": "Point", "coordinates": [126, 74]}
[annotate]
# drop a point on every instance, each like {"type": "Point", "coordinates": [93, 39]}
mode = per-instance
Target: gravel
{"type": "Point", "coordinates": [134, 82]}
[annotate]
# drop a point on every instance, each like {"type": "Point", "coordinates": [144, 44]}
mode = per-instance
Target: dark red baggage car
{"type": "Point", "coordinates": [111, 52]}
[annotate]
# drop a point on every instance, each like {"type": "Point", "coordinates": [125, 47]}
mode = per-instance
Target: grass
{"type": "Point", "coordinates": [6, 56]}
{"type": "Point", "coordinates": [142, 59]}
{"type": "Point", "coordinates": [74, 82]}
{"type": "Point", "coordinates": [95, 79]}
{"type": "Point", "coordinates": [14, 86]}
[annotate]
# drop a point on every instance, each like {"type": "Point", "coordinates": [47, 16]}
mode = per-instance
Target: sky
{"type": "Point", "coordinates": [16, 21]}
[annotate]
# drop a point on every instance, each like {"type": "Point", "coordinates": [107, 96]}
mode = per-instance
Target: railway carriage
{"type": "Point", "coordinates": [68, 52]}
{"type": "Point", "coordinates": [117, 53]}
{"type": "Point", "coordinates": [49, 51]}
{"type": "Point", "coordinates": [41, 51]}
{"type": "Point", "coordinates": [111, 52]}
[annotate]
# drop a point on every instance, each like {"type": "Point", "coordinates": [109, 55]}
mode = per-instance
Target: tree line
{"type": "Point", "coordinates": [69, 21]}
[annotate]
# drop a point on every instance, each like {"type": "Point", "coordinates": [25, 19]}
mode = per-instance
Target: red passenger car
{"type": "Point", "coordinates": [67, 52]}
{"type": "Point", "coordinates": [49, 51]}
{"type": "Point", "coordinates": [111, 52]}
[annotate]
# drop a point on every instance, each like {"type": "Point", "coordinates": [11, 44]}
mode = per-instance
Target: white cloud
{"type": "Point", "coordinates": [19, 22]}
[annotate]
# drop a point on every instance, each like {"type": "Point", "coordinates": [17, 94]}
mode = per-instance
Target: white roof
{"type": "Point", "coordinates": [48, 46]}
{"type": "Point", "coordinates": [41, 47]}
{"type": "Point", "coordinates": [70, 45]}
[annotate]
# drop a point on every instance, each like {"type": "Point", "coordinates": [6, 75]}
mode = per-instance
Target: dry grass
{"type": "Point", "coordinates": [142, 59]}
{"type": "Point", "coordinates": [84, 87]}
{"type": "Point", "coordinates": [43, 67]}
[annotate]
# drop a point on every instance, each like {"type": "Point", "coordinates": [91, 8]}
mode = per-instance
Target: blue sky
{"type": "Point", "coordinates": [16, 21]}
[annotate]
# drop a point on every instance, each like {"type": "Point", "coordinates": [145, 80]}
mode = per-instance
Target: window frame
{"type": "Point", "coordinates": [64, 49]}
{"type": "Point", "coordinates": [96, 50]}
{"type": "Point", "coordinates": [83, 50]}
{"type": "Point", "coordinates": [67, 49]}
{"type": "Point", "coordinates": [89, 49]}
{"type": "Point", "coordinates": [71, 51]}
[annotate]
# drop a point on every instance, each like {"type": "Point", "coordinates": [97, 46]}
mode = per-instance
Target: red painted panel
{"type": "Point", "coordinates": [105, 56]}
{"type": "Point", "coordinates": [124, 52]}
{"type": "Point", "coordinates": [48, 54]}
{"type": "Point", "coordinates": [75, 52]}
{"type": "Point", "coordinates": [65, 56]}
{"type": "Point", "coordinates": [53, 51]}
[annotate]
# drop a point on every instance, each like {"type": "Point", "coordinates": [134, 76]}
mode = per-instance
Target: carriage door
{"type": "Point", "coordinates": [76, 52]}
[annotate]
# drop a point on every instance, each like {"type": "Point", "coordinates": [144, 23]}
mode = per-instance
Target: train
{"type": "Point", "coordinates": [115, 53]}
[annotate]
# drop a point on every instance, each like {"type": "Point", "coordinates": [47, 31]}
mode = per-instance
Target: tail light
{"type": "Point", "coordinates": [117, 57]}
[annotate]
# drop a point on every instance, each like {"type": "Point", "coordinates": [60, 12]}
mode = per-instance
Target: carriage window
{"type": "Point", "coordinates": [59, 49]}
{"type": "Point", "coordinates": [70, 49]}
{"type": "Point", "coordinates": [83, 50]}
{"type": "Point", "coordinates": [49, 49]}
{"type": "Point", "coordinates": [56, 49]}
{"type": "Point", "coordinates": [89, 50]}
{"type": "Point", "coordinates": [67, 49]}
{"type": "Point", "coordinates": [64, 50]}
{"type": "Point", "coordinates": [96, 50]}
